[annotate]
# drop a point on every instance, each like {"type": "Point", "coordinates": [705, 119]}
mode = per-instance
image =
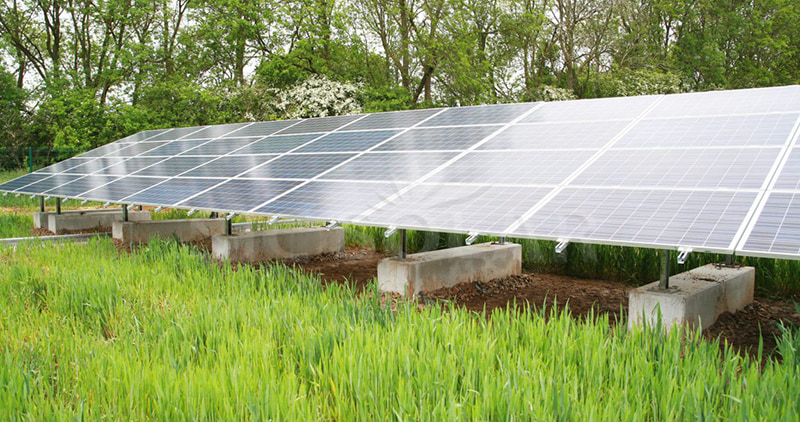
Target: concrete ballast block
{"type": "Point", "coordinates": [78, 220]}
{"type": "Point", "coordinates": [41, 219]}
{"type": "Point", "coordinates": [278, 244]}
{"type": "Point", "coordinates": [184, 230]}
{"type": "Point", "coordinates": [428, 271]}
{"type": "Point", "coordinates": [695, 298]}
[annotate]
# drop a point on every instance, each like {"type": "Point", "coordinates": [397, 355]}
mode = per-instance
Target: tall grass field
{"type": "Point", "coordinates": [164, 333]}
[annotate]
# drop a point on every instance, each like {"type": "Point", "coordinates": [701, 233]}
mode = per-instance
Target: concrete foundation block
{"type": "Point", "coordinates": [278, 244]}
{"type": "Point", "coordinates": [695, 298]}
{"type": "Point", "coordinates": [41, 220]}
{"type": "Point", "coordinates": [190, 230]}
{"type": "Point", "coordinates": [83, 220]}
{"type": "Point", "coordinates": [428, 271]}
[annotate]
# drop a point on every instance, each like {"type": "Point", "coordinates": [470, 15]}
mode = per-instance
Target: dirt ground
{"type": "Point", "coordinates": [742, 330]}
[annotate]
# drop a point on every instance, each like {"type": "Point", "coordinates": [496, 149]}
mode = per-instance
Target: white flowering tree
{"type": "Point", "coordinates": [552, 93]}
{"type": "Point", "coordinates": [319, 96]}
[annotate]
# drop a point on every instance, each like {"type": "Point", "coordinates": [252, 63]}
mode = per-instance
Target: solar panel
{"type": "Point", "coordinates": [713, 171]}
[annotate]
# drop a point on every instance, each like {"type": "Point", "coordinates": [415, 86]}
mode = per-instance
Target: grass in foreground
{"type": "Point", "coordinates": [164, 334]}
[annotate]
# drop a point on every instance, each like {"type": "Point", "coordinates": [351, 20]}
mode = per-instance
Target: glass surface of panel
{"type": "Point", "coordinates": [348, 141]}
{"type": "Point", "coordinates": [601, 109]}
{"type": "Point", "coordinates": [276, 144]}
{"type": "Point", "coordinates": [141, 136]}
{"type": "Point", "coordinates": [174, 148]}
{"type": "Point", "coordinates": [514, 167]}
{"type": "Point", "coordinates": [229, 166]}
{"type": "Point", "coordinates": [121, 188]}
{"type": "Point", "coordinates": [261, 128]}
{"type": "Point", "coordinates": [777, 227]}
{"type": "Point", "coordinates": [303, 166]}
{"type": "Point", "coordinates": [133, 150]}
{"type": "Point", "coordinates": [758, 130]}
{"type": "Point", "coordinates": [393, 119]}
{"type": "Point", "coordinates": [735, 168]}
{"type": "Point", "coordinates": [220, 146]}
{"type": "Point", "coordinates": [22, 181]}
{"type": "Point", "coordinates": [103, 150]}
{"type": "Point", "coordinates": [396, 167]}
{"type": "Point", "coordinates": [172, 191]}
{"type": "Point", "coordinates": [449, 138]}
{"type": "Point", "coordinates": [331, 200]}
{"type": "Point", "coordinates": [173, 166]}
{"type": "Point", "coordinates": [701, 219]}
{"type": "Point", "coordinates": [740, 101]}
{"type": "Point", "coordinates": [79, 186]}
{"type": "Point", "coordinates": [241, 195]}
{"type": "Point", "coordinates": [570, 135]}
{"type": "Point", "coordinates": [319, 124]}
{"type": "Point", "coordinates": [94, 165]}
{"type": "Point", "coordinates": [486, 209]}
{"type": "Point", "coordinates": [479, 115]}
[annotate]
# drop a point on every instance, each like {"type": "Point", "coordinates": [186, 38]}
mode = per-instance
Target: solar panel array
{"type": "Point", "coordinates": [715, 171]}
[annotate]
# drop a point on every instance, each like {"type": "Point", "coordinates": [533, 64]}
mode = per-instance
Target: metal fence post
{"type": "Point", "coordinates": [30, 159]}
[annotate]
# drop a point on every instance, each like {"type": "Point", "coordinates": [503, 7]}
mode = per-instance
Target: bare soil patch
{"type": "Point", "coordinates": [743, 330]}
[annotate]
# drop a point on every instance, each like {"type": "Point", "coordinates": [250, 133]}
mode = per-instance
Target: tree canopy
{"type": "Point", "coordinates": [80, 73]}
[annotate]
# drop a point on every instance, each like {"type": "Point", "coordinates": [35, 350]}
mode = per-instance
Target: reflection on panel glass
{"type": "Point", "coordinates": [331, 200]}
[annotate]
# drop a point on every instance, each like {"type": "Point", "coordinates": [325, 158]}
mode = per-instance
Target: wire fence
{"type": "Point", "coordinates": [33, 158]}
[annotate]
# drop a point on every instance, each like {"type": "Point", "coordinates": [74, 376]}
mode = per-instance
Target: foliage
{"type": "Point", "coordinates": [163, 333]}
{"type": "Point", "coordinates": [318, 96]}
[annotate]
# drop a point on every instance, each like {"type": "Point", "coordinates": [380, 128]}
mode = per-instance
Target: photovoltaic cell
{"type": "Point", "coordinates": [218, 131]}
{"type": "Point", "coordinates": [65, 165]}
{"type": "Point", "coordinates": [141, 136]}
{"type": "Point", "coordinates": [221, 146]}
{"type": "Point", "coordinates": [302, 166]}
{"type": "Point", "coordinates": [699, 219]}
{"type": "Point", "coordinates": [393, 120]}
{"type": "Point", "coordinates": [49, 183]}
{"type": "Point", "coordinates": [76, 188]}
{"type": "Point", "coordinates": [758, 130]}
{"type": "Point", "coordinates": [174, 166]}
{"type": "Point", "coordinates": [175, 148]}
{"type": "Point", "coordinates": [277, 144]}
{"type": "Point", "coordinates": [740, 101]}
{"type": "Point", "coordinates": [396, 167]}
{"type": "Point", "coordinates": [777, 228]}
{"type": "Point", "coordinates": [121, 188]}
{"type": "Point", "coordinates": [789, 176]}
{"type": "Point", "coordinates": [95, 165]}
{"type": "Point", "coordinates": [514, 167]}
{"type": "Point", "coordinates": [454, 139]}
{"type": "Point", "coordinates": [572, 135]}
{"type": "Point", "coordinates": [130, 166]}
{"type": "Point", "coordinates": [176, 133]}
{"type": "Point", "coordinates": [22, 181]}
{"type": "Point", "coordinates": [326, 200]}
{"type": "Point", "coordinates": [238, 195]}
{"type": "Point", "coordinates": [229, 166]}
{"type": "Point", "coordinates": [324, 124]}
{"type": "Point", "coordinates": [624, 108]}
{"type": "Point", "coordinates": [733, 168]}
{"type": "Point", "coordinates": [348, 141]}
{"type": "Point", "coordinates": [136, 149]}
{"type": "Point", "coordinates": [479, 115]}
{"type": "Point", "coordinates": [103, 150]}
{"type": "Point", "coordinates": [262, 128]}
{"type": "Point", "coordinates": [172, 191]}
{"type": "Point", "coordinates": [485, 209]}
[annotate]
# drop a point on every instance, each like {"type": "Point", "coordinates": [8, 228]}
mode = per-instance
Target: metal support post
{"type": "Point", "coordinates": [228, 226]}
{"type": "Point", "coordinates": [729, 260]}
{"type": "Point", "coordinates": [41, 203]}
{"type": "Point", "coordinates": [665, 258]}
{"type": "Point", "coordinates": [124, 212]}
{"type": "Point", "coordinates": [403, 244]}
{"type": "Point", "coordinates": [214, 214]}
{"type": "Point", "coordinates": [58, 206]}
{"type": "Point", "coordinates": [502, 240]}
{"type": "Point", "coordinates": [140, 208]}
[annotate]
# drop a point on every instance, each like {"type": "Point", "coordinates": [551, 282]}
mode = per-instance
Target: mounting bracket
{"type": "Point", "coordinates": [683, 254]}
{"type": "Point", "coordinates": [561, 246]}
{"type": "Point", "coordinates": [473, 236]}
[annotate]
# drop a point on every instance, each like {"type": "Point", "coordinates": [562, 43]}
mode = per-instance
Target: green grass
{"type": "Point", "coordinates": [164, 334]}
